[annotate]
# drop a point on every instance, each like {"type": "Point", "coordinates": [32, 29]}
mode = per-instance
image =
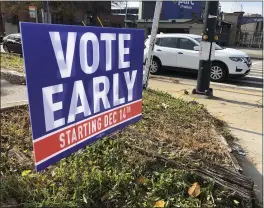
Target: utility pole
{"type": "Point", "coordinates": [45, 13]}
{"type": "Point", "coordinates": [154, 30]}
{"type": "Point", "coordinates": [126, 16]}
{"type": "Point", "coordinates": [207, 49]}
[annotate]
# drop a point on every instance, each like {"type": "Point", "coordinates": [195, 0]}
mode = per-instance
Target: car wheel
{"type": "Point", "coordinates": [155, 66]}
{"type": "Point", "coordinates": [6, 49]}
{"type": "Point", "coordinates": [218, 72]}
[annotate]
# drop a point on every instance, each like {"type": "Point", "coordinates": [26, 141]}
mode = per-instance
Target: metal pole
{"type": "Point", "coordinates": [208, 40]}
{"type": "Point", "coordinates": [154, 30]}
{"type": "Point", "coordinates": [48, 13]}
{"type": "Point", "coordinates": [36, 15]}
{"type": "Point", "coordinates": [42, 16]}
{"type": "Point", "coordinates": [126, 15]}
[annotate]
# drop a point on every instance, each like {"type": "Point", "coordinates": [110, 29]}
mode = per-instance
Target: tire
{"type": "Point", "coordinates": [155, 66]}
{"type": "Point", "coordinates": [218, 72]}
{"type": "Point", "coordinates": [6, 49]}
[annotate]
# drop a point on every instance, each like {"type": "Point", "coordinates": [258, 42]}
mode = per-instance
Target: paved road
{"type": "Point", "coordinates": [253, 80]}
{"type": "Point", "coordinates": [257, 69]}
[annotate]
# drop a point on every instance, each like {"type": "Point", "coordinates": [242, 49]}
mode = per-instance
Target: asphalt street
{"type": "Point", "coordinates": [254, 80]}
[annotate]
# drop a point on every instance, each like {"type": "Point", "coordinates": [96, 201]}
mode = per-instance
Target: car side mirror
{"type": "Point", "coordinates": [196, 48]}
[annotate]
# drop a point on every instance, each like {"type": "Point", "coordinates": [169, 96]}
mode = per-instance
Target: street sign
{"type": "Point", "coordinates": [83, 84]}
{"type": "Point", "coordinates": [32, 11]}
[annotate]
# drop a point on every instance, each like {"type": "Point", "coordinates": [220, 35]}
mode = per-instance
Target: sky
{"type": "Point", "coordinates": [251, 7]}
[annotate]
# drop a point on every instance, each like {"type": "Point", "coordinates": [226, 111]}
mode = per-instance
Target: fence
{"type": "Point", "coordinates": [250, 39]}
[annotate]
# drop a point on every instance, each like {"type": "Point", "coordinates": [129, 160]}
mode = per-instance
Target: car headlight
{"type": "Point", "coordinates": [237, 59]}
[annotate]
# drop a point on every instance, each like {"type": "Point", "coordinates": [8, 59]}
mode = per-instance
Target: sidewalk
{"type": "Point", "coordinates": [254, 53]}
{"type": "Point", "coordinates": [241, 109]}
{"type": "Point", "coordinates": [12, 95]}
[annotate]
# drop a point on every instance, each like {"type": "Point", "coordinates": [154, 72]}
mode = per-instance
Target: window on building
{"type": "Point", "coordinates": [184, 43]}
{"type": "Point", "coordinates": [168, 42]}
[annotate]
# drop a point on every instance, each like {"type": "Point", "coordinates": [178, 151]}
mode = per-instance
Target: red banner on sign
{"type": "Point", "coordinates": [57, 142]}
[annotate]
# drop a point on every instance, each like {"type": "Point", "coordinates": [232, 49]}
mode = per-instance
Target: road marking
{"type": "Point", "coordinates": [255, 63]}
{"type": "Point", "coordinates": [249, 76]}
{"type": "Point", "coordinates": [246, 81]}
{"type": "Point", "coordinates": [190, 83]}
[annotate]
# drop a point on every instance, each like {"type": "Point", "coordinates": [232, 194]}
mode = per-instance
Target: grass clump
{"type": "Point", "coordinates": [12, 62]}
{"type": "Point", "coordinates": [112, 172]}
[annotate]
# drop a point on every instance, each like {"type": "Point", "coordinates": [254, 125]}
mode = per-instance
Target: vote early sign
{"type": "Point", "coordinates": [83, 83]}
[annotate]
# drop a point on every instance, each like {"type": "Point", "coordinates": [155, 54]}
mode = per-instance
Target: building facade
{"type": "Point", "coordinates": [172, 10]}
{"type": "Point", "coordinates": [129, 14]}
{"type": "Point", "coordinates": [247, 30]}
{"type": "Point", "coordinates": [180, 17]}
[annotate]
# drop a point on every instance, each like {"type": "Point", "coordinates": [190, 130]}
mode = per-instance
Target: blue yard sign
{"type": "Point", "coordinates": [83, 83]}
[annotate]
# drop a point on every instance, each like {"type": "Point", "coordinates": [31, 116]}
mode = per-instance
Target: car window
{"type": "Point", "coordinates": [17, 38]}
{"type": "Point", "coordinates": [157, 41]}
{"type": "Point", "coordinates": [184, 43]}
{"type": "Point", "coordinates": [168, 42]}
{"type": "Point", "coordinates": [217, 47]}
{"type": "Point", "coordinates": [10, 37]}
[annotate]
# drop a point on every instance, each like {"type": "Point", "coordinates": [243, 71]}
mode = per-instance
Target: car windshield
{"type": "Point", "coordinates": [217, 47]}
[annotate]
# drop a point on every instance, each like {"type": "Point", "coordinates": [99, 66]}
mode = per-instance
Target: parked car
{"type": "Point", "coordinates": [2, 35]}
{"type": "Point", "coordinates": [182, 51]}
{"type": "Point", "coordinates": [12, 43]}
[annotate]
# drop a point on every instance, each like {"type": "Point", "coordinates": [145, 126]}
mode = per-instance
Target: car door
{"type": "Point", "coordinates": [165, 50]}
{"type": "Point", "coordinates": [187, 57]}
{"type": "Point", "coordinates": [17, 45]}
{"type": "Point", "coordinates": [10, 42]}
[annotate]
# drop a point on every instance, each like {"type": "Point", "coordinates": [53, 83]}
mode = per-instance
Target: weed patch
{"type": "Point", "coordinates": [112, 172]}
{"type": "Point", "coordinates": [12, 62]}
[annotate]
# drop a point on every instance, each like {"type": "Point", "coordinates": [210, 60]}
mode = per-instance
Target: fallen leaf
{"type": "Point", "coordinates": [185, 92]}
{"type": "Point", "coordinates": [236, 202]}
{"type": "Point", "coordinates": [165, 106]}
{"type": "Point", "coordinates": [160, 204]}
{"type": "Point", "coordinates": [90, 162]}
{"type": "Point", "coordinates": [25, 172]}
{"type": "Point", "coordinates": [84, 199]}
{"type": "Point", "coordinates": [141, 180]}
{"type": "Point", "coordinates": [194, 190]}
{"type": "Point", "coordinates": [53, 173]}
{"type": "Point", "coordinates": [104, 197]}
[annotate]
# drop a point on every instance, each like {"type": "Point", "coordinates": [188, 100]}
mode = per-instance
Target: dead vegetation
{"type": "Point", "coordinates": [153, 161]}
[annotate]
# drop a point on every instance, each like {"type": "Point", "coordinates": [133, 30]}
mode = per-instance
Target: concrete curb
{"type": "Point", "coordinates": [216, 84]}
{"type": "Point", "coordinates": [13, 77]}
{"type": "Point", "coordinates": [9, 106]}
{"type": "Point", "coordinates": [12, 54]}
{"type": "Point", "coordinates": [256, 58]}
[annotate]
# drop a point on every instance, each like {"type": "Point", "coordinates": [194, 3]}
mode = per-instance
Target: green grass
{"type": "Point", "coordinates": [12, 62]}
{"type": "Point", "coordinates": [106, 173]}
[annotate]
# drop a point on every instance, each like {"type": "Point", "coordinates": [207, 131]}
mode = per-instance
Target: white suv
{"type": "Point", "coordinates": [182, 51]}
